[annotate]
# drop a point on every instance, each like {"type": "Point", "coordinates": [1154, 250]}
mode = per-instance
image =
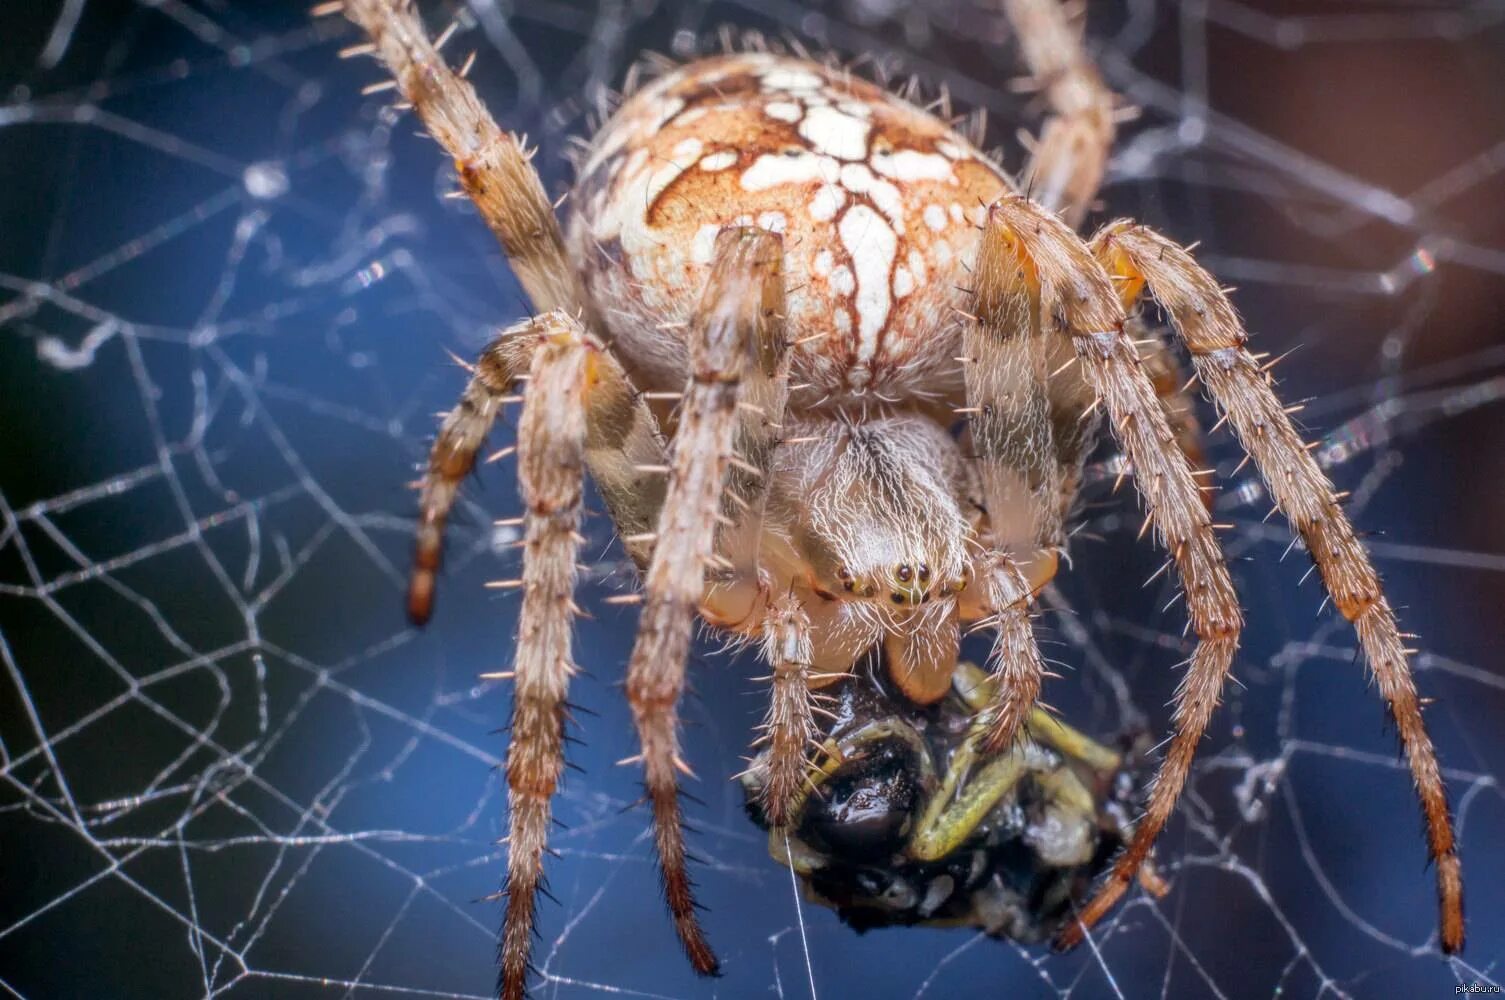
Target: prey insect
{"type": "Point", "coordinates": [905, 820]}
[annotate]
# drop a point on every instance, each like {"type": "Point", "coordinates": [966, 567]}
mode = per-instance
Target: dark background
{"type": "Point", "coordinates": [227, 285]}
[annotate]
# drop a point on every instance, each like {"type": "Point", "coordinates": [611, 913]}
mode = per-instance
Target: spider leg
{"type": "Point", "coordinates": [736, 596]}
{"type": "Point", "coordinates": [1141, 260]}
{"type": "Point", "coordinates": [622, 448]}
{"type": "Point", "coordinates": [454, 452]}
{"type": "Point", "coordinates": [492, 166]}
{"type": "Point", "coordinates": [1015, 661]}
{"type": "Point", "coordinates": [761, 401]}
{"type": "Point", "coordinates": [551, 452]}
{"type": "Point", "coordinates": [745, 276]}
{"type": "Point", "coordinates": [1070, 155]}
{"type": "Point", "coordinates": [578, 407]}
{"type": "Point", "coordinates": [1077, 299]}
{"type": "Point", "coordinates": [625, 452]}
{"type": "Point", "coordinates": [1022, 474]}
{"type": "Point", "coordinates": [789, 726]}
{"type": "Point", "coordinates": [495, 172]}
{"type": "Point", "coordinates": [1168, 376]}
{"type": "Point", "coordinates": [1007, 382]}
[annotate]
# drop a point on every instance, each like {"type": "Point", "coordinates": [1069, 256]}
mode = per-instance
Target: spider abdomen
{"type": "Point", "coordinates": [879, 204]}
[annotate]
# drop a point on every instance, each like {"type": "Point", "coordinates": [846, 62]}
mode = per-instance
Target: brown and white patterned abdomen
{"type": "Point", "coordinates": [879, 205]}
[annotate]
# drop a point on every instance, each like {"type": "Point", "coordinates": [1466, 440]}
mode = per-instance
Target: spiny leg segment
{"type": "Point", "coordinates": [737, 592]}
{"type": "Point", "coordinates": [733, 313]}
{"type": "Point", "coordinates": [1169, 377]}
{"type": "Point", "coordinates": [1141, 260]}
{"type": "Point", "coordinates": [1070, 155]}
{"type": "Point", "coordinates": [492, 165]}
{"type": "Point", "coordinates": [550, 472]}
{"type": "Point", "coordinates": [454, 452]}
{"type": "Point", "coordinates": [1076, 299]}
{"type": "Point", "coordinates": [1012, 437]}
{"type": "Point", "coordinates": [788, 729]}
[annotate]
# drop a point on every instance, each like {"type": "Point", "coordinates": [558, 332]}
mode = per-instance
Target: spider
{"type": "Point", "coordinates": [834, 373]}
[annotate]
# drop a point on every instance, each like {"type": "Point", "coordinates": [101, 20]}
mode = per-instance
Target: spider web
{"type": "Point", "coordinates": [226, 288]}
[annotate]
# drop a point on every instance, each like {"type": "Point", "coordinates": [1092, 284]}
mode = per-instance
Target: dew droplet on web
{"type": "Point", "coordinates": [265, 180]}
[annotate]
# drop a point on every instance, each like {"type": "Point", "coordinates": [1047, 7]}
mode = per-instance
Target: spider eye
{"type": "Point", "coordinates": [864, 809]}
{"type": "Point", "coordinates": [924, 573]}
{"type": "Point", "coordinates": [905, 573]}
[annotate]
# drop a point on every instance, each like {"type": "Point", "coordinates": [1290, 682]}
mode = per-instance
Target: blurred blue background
{"type": "Point", "coordinates": [228, 282]}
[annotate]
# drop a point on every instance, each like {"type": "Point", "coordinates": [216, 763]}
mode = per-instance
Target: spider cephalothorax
{"type": "Point", "coordinates": [834, 376]}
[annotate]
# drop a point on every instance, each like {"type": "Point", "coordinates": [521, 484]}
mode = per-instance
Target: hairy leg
{"type": "Point", "coordinates": [551, 468]}
{"type": "Point", "coordinates": [1168, 376]}
{"type": "Point", "coordinates": [625, 453]}
{"type": "Point", "coordinates": [453, 455]}
{"type": "Point", "coordinates": [789, 727]}
{"type": "Point", "coordinates": [495, 172]}
{"type": "Point", "coordinates": [736, 596]}
{"type": "Point", "coordinates": [622, 447]}
{"type": "Point", "coordinates": [1012, 437]}
{"type": "Point", "coordinates": [493, 167]}
{"type": "Point", "coordinates": [1202, 315]}
{"type": "Point", "coordinates": [1015, 663]}
{"type": "Point", "coordinates": [578, 409]}
{"type": "Point", "coordinates": [1076, 299]}
{"type": "Point", "coordinates": [732, 312]}
{"type": "Point", "coordinates": [1071, 153]}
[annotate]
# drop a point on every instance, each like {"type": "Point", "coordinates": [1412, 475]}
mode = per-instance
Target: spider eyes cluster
{"type": "Point", "coordinates": [907, 584]}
